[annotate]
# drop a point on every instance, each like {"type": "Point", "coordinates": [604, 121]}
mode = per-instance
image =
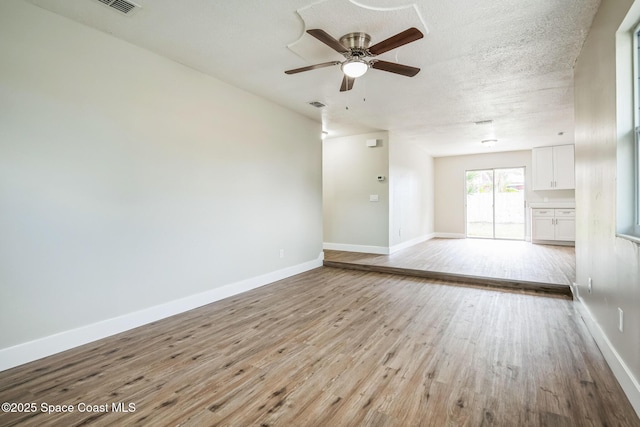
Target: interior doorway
{"type": "Point", "coordinates": [495, 203]}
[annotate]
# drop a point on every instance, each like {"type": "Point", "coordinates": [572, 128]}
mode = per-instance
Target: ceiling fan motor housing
{"type": "Point", "coordinates": [357, 43]}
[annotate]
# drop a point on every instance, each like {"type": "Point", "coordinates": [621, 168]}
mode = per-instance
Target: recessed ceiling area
{"type": "Point", "coordinates": [509, 62]}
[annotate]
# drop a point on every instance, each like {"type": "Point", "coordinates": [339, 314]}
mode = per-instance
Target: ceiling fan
{"type": "Point", "coordinates": [356, 50]}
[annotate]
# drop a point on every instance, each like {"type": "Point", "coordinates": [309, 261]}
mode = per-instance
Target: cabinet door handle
{"type": "Point", "coordinates": [551, 184]}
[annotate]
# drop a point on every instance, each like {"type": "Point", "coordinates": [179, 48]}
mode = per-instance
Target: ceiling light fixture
{"type": "Point", "coordinates": [489, 142]}
{"type": "Point", "coordinates": [355, 67]}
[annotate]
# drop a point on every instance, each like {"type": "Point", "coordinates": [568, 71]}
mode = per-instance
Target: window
{"type": "Point", "coordinates": [636, 124]}
{"type": "Point", "coordinates": [635, 171]}
{"type": "Point", "coordinates": [628, 126]}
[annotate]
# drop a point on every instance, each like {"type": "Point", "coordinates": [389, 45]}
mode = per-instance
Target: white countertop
{"type": "Point", "coordinates": [551, 205]}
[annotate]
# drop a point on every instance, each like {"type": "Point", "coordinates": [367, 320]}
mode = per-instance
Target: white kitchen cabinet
{"type": "Point", "coordinates": [553, 225]}
{"type": "Point", "coordinates": [565, 224]}
{"type": "Point", "coordinates": [543, 224]}
{"type": "Point", "coordinates": [553, 168]}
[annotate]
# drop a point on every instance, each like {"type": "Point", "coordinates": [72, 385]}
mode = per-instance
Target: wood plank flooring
{"type": "Point", "coordinates": [499, 263]}
{"type": "Point", "coordinates": [335, 347]}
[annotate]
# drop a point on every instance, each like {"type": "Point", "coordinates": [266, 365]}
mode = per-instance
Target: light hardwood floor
{"type": "Point", "coordinates": [502, 263]}
{"type": "Point", "coordinates": [334, 347]}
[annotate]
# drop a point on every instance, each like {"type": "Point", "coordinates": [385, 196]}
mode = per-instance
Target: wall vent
{"type": "Point", "coordinates": [317, 104]}
{"type": "Point", "coordinates": [122, 6]}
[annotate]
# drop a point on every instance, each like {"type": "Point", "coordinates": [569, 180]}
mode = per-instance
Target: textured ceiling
{"type": "Point", "coordinates": [503, 60]}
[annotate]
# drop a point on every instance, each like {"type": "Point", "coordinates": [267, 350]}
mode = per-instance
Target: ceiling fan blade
{"type": "Point", "coordinates": [392, 67]}
{"type": "Point", "coordinates": [400, 39]}
{"type": "Point", "coordinates": [325, 38]}
{"type": "Point", "coordinates": [347, 83]}
{"type": "Point", "coordinates": [312, 67]}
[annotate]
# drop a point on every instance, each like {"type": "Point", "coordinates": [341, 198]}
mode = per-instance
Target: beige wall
{"type": "Point", "coordinates": [404, 212]}
{"type": "Point", "coordinates": [128, 180]}
{"type": "Point", "coordinates": [612, 262]}
{"type": "Point", "coordinates": [350, 171]}
{"type": "Point", "coordinates": [411, 180]}
{"type": "Point", "coordinates": [450, 184]}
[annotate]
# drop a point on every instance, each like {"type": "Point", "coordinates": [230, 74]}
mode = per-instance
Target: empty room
{"type": "Point", "coordinates": [320, 213]}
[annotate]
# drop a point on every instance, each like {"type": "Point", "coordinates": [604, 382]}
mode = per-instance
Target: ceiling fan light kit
{"type": "Point", "coordinates": [355, 48]}
{"type": "Point", "coordinates": [354, 67]}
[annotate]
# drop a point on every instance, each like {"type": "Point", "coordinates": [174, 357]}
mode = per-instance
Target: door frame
{"type": "Point", "coordinates": [524, 206]}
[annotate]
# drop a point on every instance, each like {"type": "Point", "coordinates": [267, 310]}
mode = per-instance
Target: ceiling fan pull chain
{"type": "Point", "coordinates": [364, 90]}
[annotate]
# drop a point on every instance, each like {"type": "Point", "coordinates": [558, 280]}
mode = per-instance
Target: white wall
{"type": "Point", "coordinates": [612, 262]}
{"type": "Point", "coordinates": [128, 180]}
{"type": "Point", "coordinates": [350, 168]}
{"type": "Point", "coordinates": [450, 191]}
{"type": "Point", "coordinates": [411, 181]}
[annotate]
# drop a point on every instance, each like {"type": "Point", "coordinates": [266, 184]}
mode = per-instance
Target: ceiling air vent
{"type": "Point", "coordinates": [317, 104]}
{"type": "Point", "coordinates": [121, 6]}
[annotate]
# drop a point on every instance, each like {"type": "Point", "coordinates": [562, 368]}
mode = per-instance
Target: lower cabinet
{"type": "Point", "coordinates": [553, 224]}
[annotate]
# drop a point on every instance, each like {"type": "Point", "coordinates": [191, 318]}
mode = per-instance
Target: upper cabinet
{"type": "Point", "coordinates": [553, 168]}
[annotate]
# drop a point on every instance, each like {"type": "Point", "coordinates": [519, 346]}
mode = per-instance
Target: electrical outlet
{"type": "Point", "coordinates": [589, 285]}
{"type": "Point", "coordinates": [620, 319]}
{"type": "Point", "coordinates": [281, 253]}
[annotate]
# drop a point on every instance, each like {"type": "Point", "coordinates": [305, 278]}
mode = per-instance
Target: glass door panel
{"type": "Point", "coordinates": [495, 203]}
{"type": "Point", "coordinates": [480, 203]}
{"type": "Point", "coordinates": [509, 203]}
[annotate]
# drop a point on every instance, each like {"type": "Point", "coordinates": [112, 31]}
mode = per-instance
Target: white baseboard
{"type": "Point", "coordinates": [47, 346]}
{"type": "Point", "coordinates": [623, 374]}
{"type": "Point", "coordinates": [380, 250]}
{"type": "Point", "coordinates": [409, 243]}
{"type": "Point", "coordinates": [450, 235]}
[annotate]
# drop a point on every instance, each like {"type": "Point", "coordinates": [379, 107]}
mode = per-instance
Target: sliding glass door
{"type": "Point", "coordinates": [495, 203]}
